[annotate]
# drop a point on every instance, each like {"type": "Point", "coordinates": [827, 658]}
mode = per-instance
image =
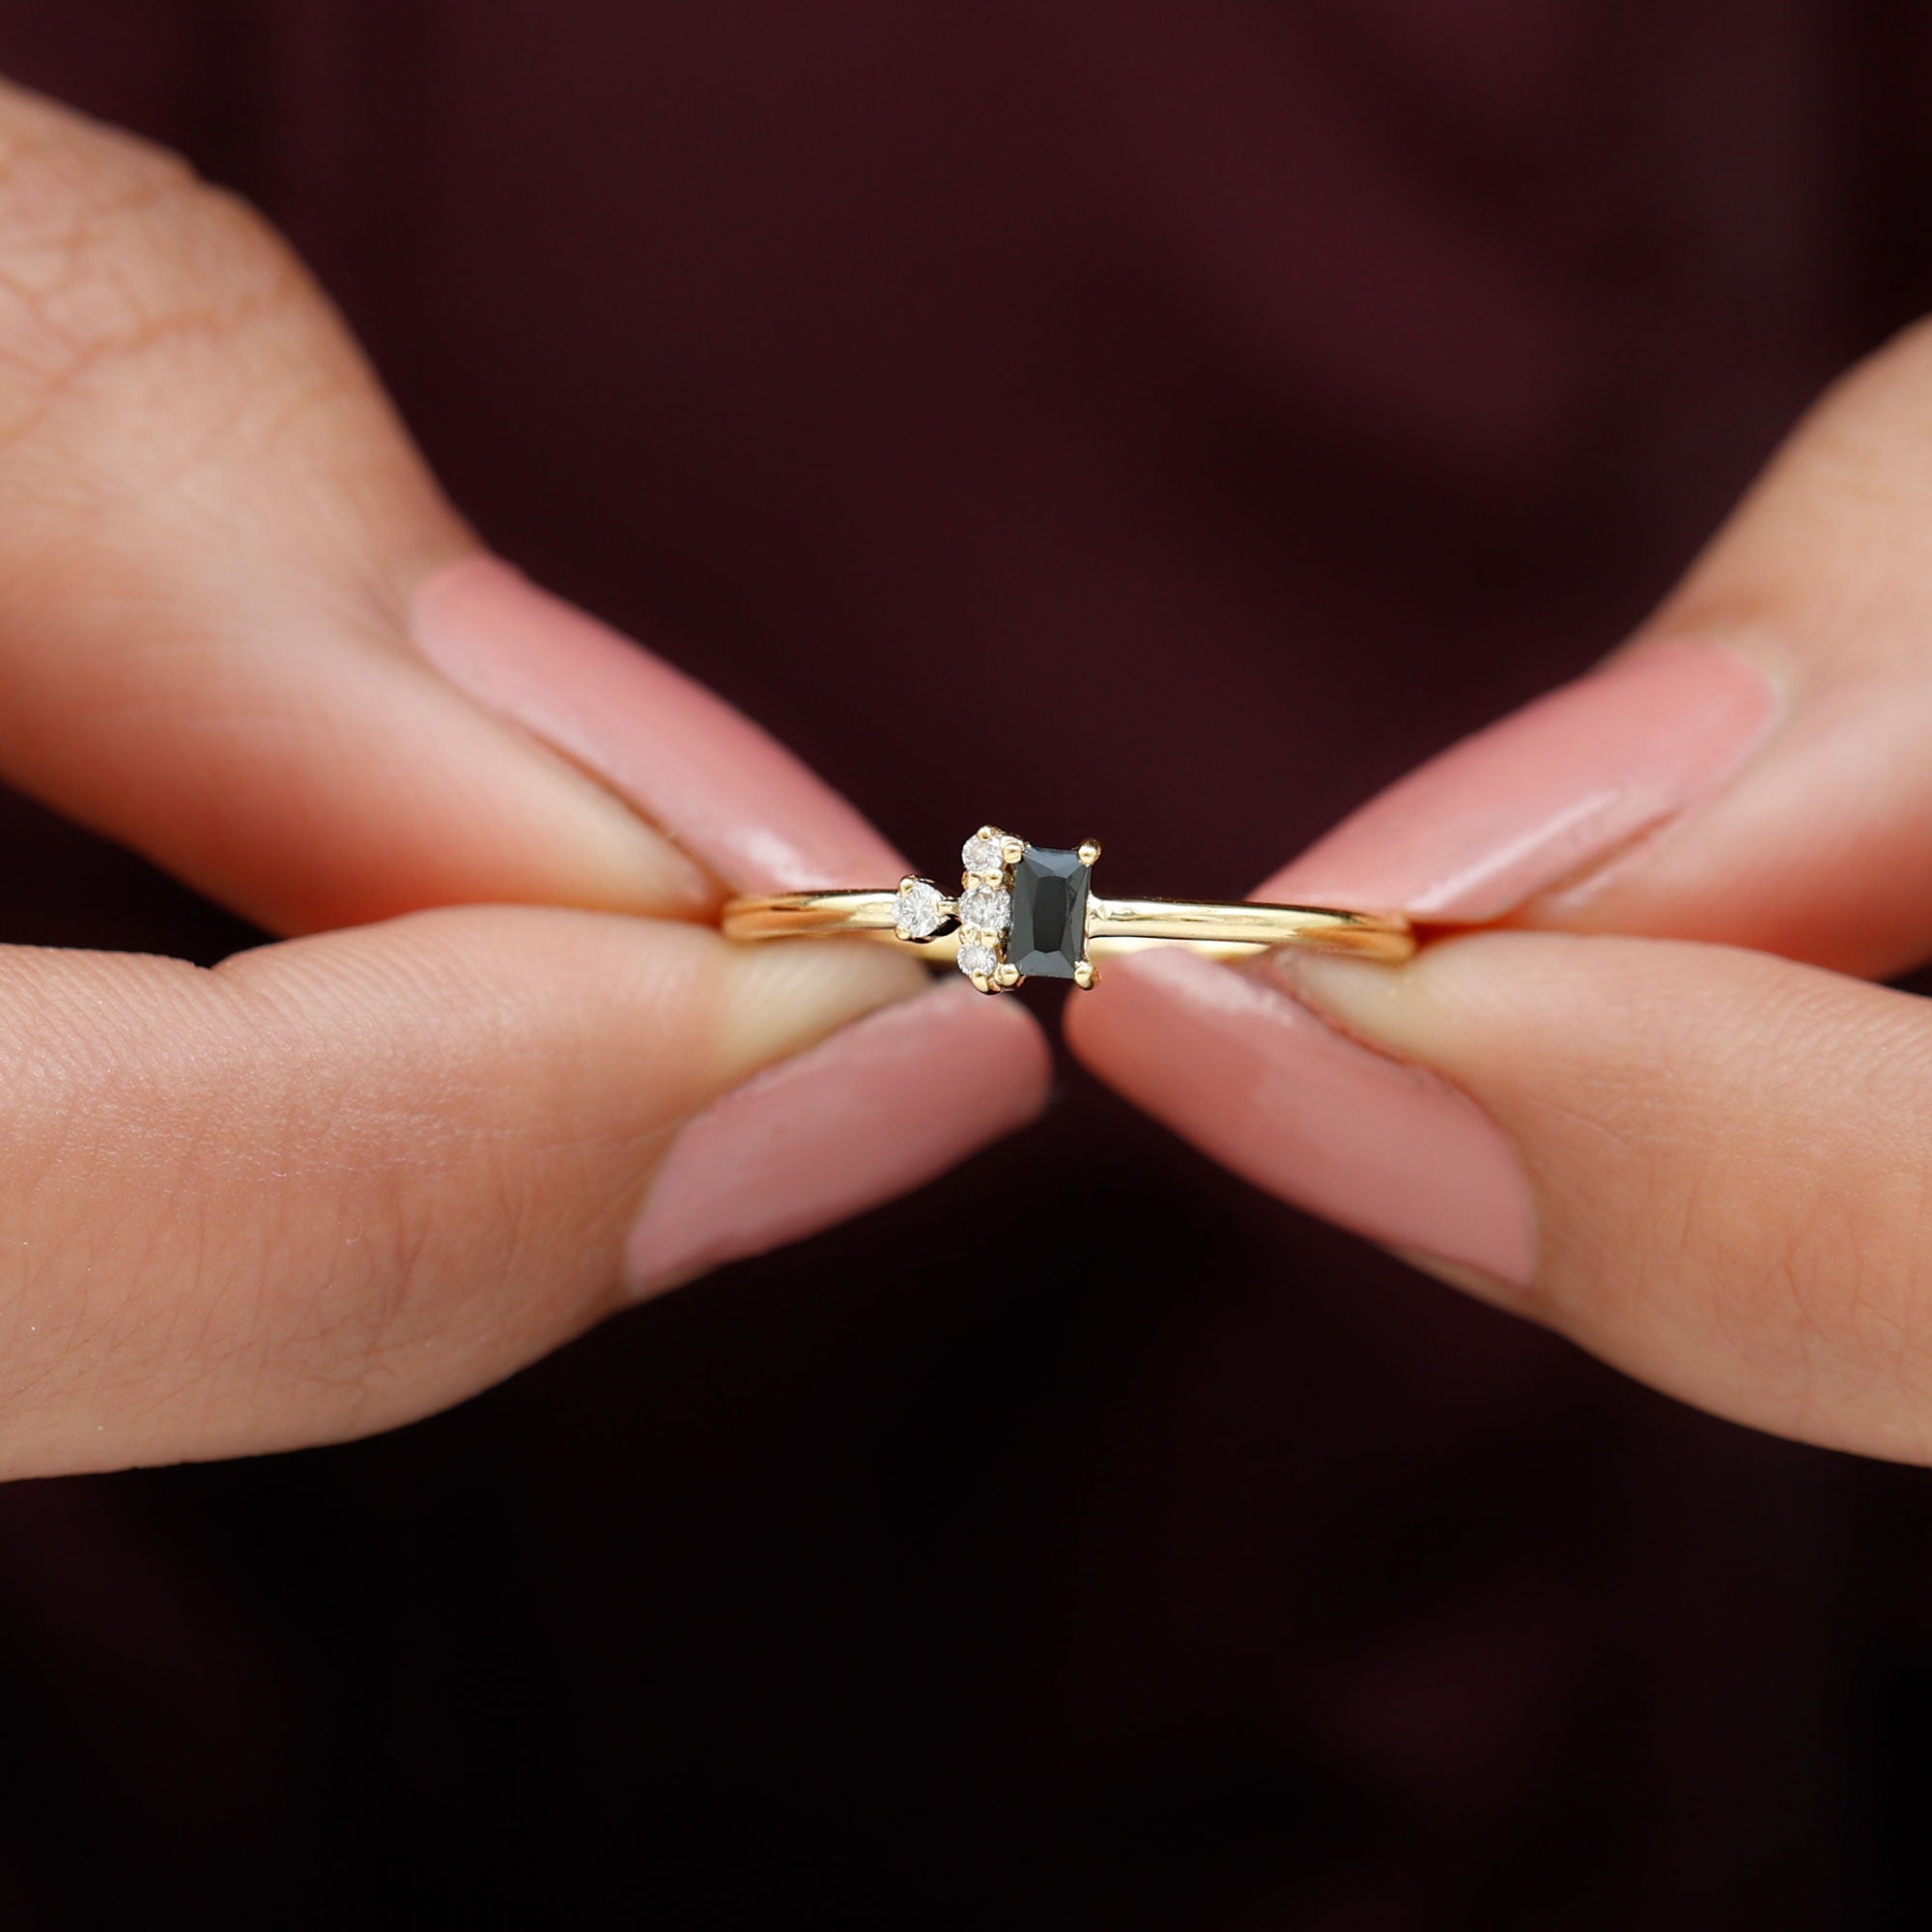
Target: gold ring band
{"type": "Point", "coordinates": [1025, 911]}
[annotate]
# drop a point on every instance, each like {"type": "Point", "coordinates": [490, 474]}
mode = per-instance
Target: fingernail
{"type": "Point", "coordinates": [1547, 794]}
{"type": "Point", "coordinates": [700, 771]}
{"type": "Point", "coordinates": [876, 1109]}
{"type": "Point", "coordinates": [1258, 1081]}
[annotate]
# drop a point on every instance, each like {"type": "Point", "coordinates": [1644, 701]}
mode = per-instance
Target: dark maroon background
{"type": "Point", "coordinates": [1299, 384]}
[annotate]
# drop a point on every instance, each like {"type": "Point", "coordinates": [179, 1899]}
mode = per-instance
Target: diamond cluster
{"type": "Point", "coordinates": [985, 905]}
{"type": "Point", "coordinates": [1021, 912]}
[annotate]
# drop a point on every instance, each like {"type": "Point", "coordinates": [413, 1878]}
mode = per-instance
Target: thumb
{"type": "Point", "coordinates": [1708, 1166]}
{"type": "Point", "coordinates": [356, 1177]}
{"type": "Point", "coordinates": [1722, 1156]}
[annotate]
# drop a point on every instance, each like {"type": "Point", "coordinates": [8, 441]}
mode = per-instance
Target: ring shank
{"type": "Point", "coordinates": [815, 915]}
{"type": "Point", "coordinates": [1249, 923]}
{"type": "Point", "coordinates": [1229, 930]}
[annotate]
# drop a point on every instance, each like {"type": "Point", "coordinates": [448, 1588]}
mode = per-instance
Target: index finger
{"type": "Point", "coordinates": [242, 630]}
{"type": "Point", "coordinates": [1752, 769]}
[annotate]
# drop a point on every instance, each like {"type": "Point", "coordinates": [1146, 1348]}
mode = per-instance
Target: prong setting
{"type": "Point", "coordinates": [1023, 911]}
{"type": "Point", "coordinates": [985, 854]}
{"type": "Point", "coordinates": [984, 908]}
{"type": "Point", "coordinates": [987, 910]}
{"type": "Point", "coordinates": [923, 913]}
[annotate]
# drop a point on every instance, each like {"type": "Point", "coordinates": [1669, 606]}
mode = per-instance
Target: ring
{"type": "Point", "coordinates": [1029, 912]}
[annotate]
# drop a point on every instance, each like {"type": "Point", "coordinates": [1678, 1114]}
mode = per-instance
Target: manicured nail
{"type": "Point", "coordinates": [1254, 1079]}
{"type": "Point", "coordinates": [700, 771]}
{"type": "Point", "coordinates": [869, 1114]}
{"type": "Point", "coordinates": [1546, 795]}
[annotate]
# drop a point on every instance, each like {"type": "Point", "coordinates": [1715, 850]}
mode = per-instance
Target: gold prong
{"type": "Point", "coordinates": [1089, 850]}
{"type": "Point", "coordinates": [982, 983]}
{"type": "Point", "coordinates": [1085, 974]}
{"type": "Point", "coordinates": [1013, 850]}
{"type": "Point", "coordinates": [1008, 977]}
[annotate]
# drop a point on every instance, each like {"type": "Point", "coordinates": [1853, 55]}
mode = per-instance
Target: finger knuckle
{"type": "Point", "coordinates": [113, 253]}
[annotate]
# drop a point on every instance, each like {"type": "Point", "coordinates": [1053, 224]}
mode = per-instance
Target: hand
{"type": "Point", "coordinates": [1703, 1150]}
{"type": "Point", "coordinates": [340, 1181]}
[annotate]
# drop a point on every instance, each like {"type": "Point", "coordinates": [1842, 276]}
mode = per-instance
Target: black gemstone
{"type": "Point", "coordinates": [1049, 935]}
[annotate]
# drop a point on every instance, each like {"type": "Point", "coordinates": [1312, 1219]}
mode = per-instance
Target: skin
{"type": "Point", "coordinates": [340, 1181]}
{"type": "Point", "coordinates": [1719, 1130]}
{"type": "Point", "coordinates": [345, 1179]}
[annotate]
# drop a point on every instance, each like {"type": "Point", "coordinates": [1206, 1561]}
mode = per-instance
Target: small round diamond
{"type": "Point", "coordinates": [984, 852]}
{"type": "Point", "coordinates": [976, 958]}
{"type": "Point", "coordinates": [988, 908]}
{"type": "Point", "coordinates": [919, 913]}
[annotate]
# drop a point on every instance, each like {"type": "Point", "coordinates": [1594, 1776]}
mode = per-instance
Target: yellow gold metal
{"type": "Point", "coordinates": [1006, 978]}
{"type": "Point", "coordinates": [811, 915]}
{"type": "Point", "coordinates": [1090, 851]}
{"type": "Point", "coordinates": [1113, 926]}
{"type": "Point", "coordinates": [1012, 851]}
{"type": "Point", "coordinates": [1085, 974]}
{"type": "Point", "coordinates": [1328, 930]}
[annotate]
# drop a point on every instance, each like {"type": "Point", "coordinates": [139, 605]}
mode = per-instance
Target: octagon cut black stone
{"type": "Point", "coordinates": [1049, 935]}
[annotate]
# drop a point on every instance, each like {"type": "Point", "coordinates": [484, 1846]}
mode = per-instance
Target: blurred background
{"type": "Point", "coordinates": [1306, 383]}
